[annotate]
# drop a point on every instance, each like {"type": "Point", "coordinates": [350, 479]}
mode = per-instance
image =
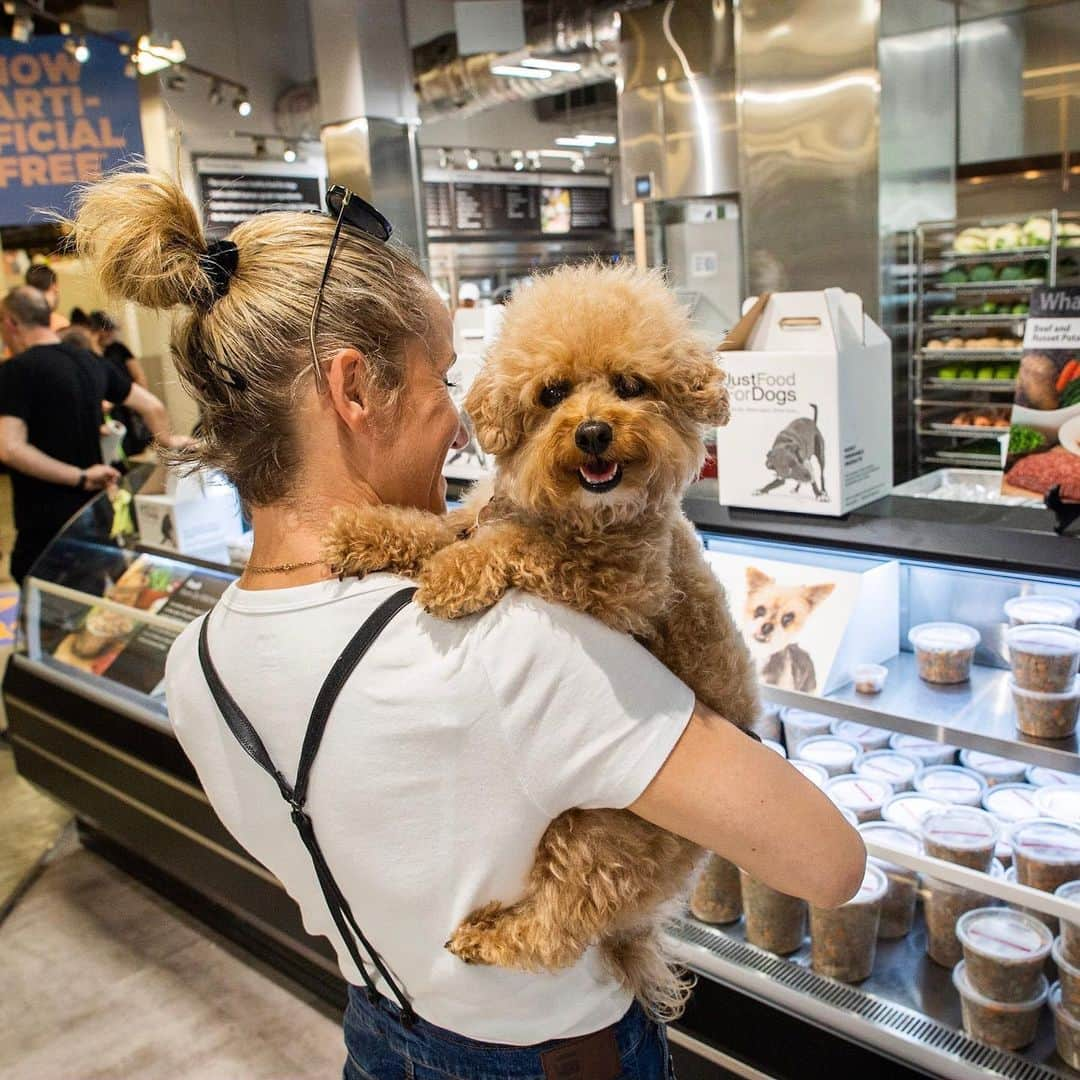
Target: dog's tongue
{"type": "Point", "coordinates": [598, 472]}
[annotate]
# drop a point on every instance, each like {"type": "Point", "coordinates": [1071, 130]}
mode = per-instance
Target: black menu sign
{"type": "Point", "coordinates": [235, 191]}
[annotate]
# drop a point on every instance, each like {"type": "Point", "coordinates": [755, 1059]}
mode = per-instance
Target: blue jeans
{"type": "Point", "coordinates": [380, 1048]}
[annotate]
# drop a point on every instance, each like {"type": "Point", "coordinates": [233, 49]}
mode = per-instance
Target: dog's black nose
{"type": "Point", "coordinates": [593, 437]}
{"type": "Point", "coordinates": [767, 628]}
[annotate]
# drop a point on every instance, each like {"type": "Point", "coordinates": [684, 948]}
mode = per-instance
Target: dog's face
{"type": "Point", "coordinates": [783, 461]}
{"type": "Point", "coordinates": [776, 614]}
{"type": "Point", "coordinates": [596, 394]}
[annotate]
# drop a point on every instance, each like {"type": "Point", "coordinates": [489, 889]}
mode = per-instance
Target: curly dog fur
{"type": "Point", "coordinates": [585, 344]}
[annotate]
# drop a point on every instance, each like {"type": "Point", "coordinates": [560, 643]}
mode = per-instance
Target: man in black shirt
{"type": "Point", "coordinates": [50, 420]}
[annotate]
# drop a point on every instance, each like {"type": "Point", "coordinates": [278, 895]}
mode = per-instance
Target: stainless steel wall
{"type": "Point", "coordinates": [808, 91]}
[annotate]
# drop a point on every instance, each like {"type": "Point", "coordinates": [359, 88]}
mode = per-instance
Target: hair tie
{"type": "Point", "coordinates": [220, 263]}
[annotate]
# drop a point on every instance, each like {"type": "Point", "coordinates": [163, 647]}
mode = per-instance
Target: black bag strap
{"type": "Point", "coordinates": [296, 795]}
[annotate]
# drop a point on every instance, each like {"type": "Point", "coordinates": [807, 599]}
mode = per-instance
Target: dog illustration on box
{"type": "Point", "coordinates": [798, 454]}
{"type": "Point", "coordinates": [774, 618]}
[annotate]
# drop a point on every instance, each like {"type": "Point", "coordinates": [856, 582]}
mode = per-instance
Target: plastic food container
{"type": "Point", "coordinates": [926, 750]}
{"type": "Point", "coordinates": [944, 650]}
{"type": "Point", "coordinates": [870, 678]}
{"type": "Point", "coordinates": [1011, 802]}
{"type": "Point", "coordinates": [774, 920]}
{"type": "Point", "coordinates": [951, 783]}
{"type": "Point", "coordinates": [1044, 658]}
{"type": "Point", "coordinates": [1004, 952]}
{"type": "Point", "coordinates": [943, 904]}
{"type": "Point", "coordinates": [1059, 803]}
{"type": "Point", "coordinates": [767, 725]}
{"type": "Point", "coordinates": [801, 724]}
{"type": "Point", "coordinates": [772, 744]}
{"type": "Point", "coordinates": [909, 808]}
{"type": "Point", "coordinates": [843, 940]}
{"type": "Point", "coordinates": [849, 817]}
{"type": "Point", "coordinates": [868, 738]}
{"type": "Point", "coordinates": [1069, 977]}
{"type": "Point", "coordinates": [1008, 1024]}
{"type": "Point", "coordinates": [1046, 716]}
{"type": "Point", "coordinates": [1070, 931]}
{"type": "Point", "coordinates": [1066, 1030]}
{"type": "Point", "coordinates": [717, 894]}
{"type": "Point", "coordinates": [835, 755]}
{"type": "Point", "coordinates": [898, 904]}
{"type": "Point", "coordinates": [1046, 853]}
{"type": "Point", "coordinates": [862, 795]}
{"type": "Point", "coordinates": [1041, 776]}
{"type": "Point", "coordinates": [896, 769]}
{"type": "Point", "coordinates": [1059, 610]}
{"type": "Point", "coordinates": [962, 835]}
{"type": "Point", "coordinates": [993, 769]}
{"type": "Point", "coordinates": [1047, 920]}
{"type": "Point", "coordinates": [816, 774]}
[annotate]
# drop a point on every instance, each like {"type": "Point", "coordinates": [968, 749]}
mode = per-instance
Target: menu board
{"type": "Point", "coordinates": [234, 191]}
{"type": "Point", "coordinates": [438, 208]}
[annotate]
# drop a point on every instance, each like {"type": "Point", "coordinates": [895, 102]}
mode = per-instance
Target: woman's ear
{"type": "Point", "coordinates": [345, 384]}
{"type": "Point", "coordinates": [494, 411]}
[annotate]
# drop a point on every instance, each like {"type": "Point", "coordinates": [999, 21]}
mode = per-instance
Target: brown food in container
{"type": "Point", "coordinates": [962, 835]}
{"type": "Point", "coordinates": [1069, 977]}
{"type": "Point", "coordinates": [1070, 931]}
{"type": "Point", "coordinates": [1004, 952]}
{"type": "Point", "coordinates": [1046, 716]}
{"type": "Point", "coordinates": [952, 783]}
{"type": "Point", "coordinates": [898, 903]}
{"type": "Point", "coordinates": [1007, 1024]}
{"type": "Point", "coordinates": [1050, 921]}
{"type": "Point", "coordinates": [944, 651]}
{"type": "Point", "coordinates": [843, 940]}
{"type": "Point", "coordinates": [1066, 1030]}
{"type": "Point", "coordinates": [774, 920]}
{"type": "Point", "coordinates": [943, 904]}
{"type": "Point", "coordinates": [717, 894]}
{"type": "Point", "coordinates": [1046, 853]}
{"type": "Point", "coordinates": [1044, 658]}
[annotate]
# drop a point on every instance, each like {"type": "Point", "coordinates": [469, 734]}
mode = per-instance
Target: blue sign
{"type": "Point", "coordinates": [62, 123]}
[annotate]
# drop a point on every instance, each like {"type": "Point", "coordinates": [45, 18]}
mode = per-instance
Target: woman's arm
{"type": "Point", "coordinates": [728, 793]}
{"type": "Point", "coordinates": [135, 370]}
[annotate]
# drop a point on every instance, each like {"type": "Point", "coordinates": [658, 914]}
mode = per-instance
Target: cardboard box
{"type": "Point", "coordinates": [810, 381]}
{"type": "Point", "coordinates": [194, 515]}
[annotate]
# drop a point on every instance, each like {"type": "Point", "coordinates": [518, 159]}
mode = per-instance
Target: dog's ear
{"type": "Point", "coordinates": [816, 593]}
{"type": "Point", "coordinates": [494, 411]}
{"type": "Point", "coordinates": [755, 579]}
{"type": "Point", "coordinates": [706, 395]}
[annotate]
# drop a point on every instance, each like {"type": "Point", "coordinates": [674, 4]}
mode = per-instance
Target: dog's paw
{"type": "Point", "coordinates": [359, 541]}
{"type": "Point", "coordinates": [472, 941]}
{"type": "Point", "coordinates": [446, 603]}
{"type": "Point", "coordinates": [823, 497]}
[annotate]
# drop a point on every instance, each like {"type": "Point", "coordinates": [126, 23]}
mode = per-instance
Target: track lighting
{"type": "Point", "coordinates": [471, 160]}
{"type": "Point", "coordinates": [22, 29]}
{"type": "Point", "coordinates": [81, 51]}
{"type": "Point", "coordinates": [241, 103]}
{"type": "Point", "coordinates": [289, 153]}
{"type": "Point", "coordinates": [260, 148]}
{"type": "Point", "coordinates": [217, 95]}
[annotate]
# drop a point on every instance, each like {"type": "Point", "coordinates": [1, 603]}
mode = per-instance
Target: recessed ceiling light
{"type": "Point", "coordinates": [514, 71]}
{"type": "Point", "coordinates": [550, 65]}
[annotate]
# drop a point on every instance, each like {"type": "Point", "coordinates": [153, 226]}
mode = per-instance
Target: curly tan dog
{"type": "Point", "coordinates": [593, 399]}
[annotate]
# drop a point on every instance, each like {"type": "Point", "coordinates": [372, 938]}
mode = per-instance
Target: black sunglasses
{"type": "Point", "coordinates": [348, 209]}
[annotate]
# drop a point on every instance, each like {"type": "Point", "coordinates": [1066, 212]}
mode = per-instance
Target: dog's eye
{"type": "Point", "coordinates": [553, 393]}
{"type": "Point", "coordinates": [759, 612]}
{"type": "Point", "coordinates": [628, 386]}
{"type": "Point", "coordinates": [787, 618]}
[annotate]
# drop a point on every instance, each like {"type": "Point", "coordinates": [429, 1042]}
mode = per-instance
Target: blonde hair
{"type": "Point", "coordinates": [143, 237]}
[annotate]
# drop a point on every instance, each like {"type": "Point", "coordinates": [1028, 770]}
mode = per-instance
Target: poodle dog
{"type": "Point", "coordinates": [593, 400]}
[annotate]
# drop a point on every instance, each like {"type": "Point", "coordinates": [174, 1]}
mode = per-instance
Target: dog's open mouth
{"type": "Point", "coordinates": [598, 475]}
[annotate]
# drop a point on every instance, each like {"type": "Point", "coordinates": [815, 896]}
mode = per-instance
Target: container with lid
{"type": "Point", "coordinates": [849, 817]}
{"type": "Point", "coordinates": [774, 920]}
{"type": "Point", "coordinates": [1066, 1030]}
{"type": "Point", "coordinates": [717, 894]}
{"type": "Point", "coordinates": [1049, 921]}
{"type": "Point", "coordinates": [898, 904]}
{"type": "Point", "coordinates": [835, 755]}
{"type": "Point", "coordinates": [1041, 776]}
{"type": "Point", "coordinates": [868, 738]}
{"type": "Point", "coordinates": [1008, 1024]}
{"type": "Point", "coordinates": [944, 650]}
{"type": "Point", "coordinates": [776, 747]}
{"type": "Point", "coordinates": [1044, 658]}
{"type": "Point", "coordinates": [862, 795]}
{"type": "Point", "coordinates": [1046, 853]}
{"type": "Point", "coordinates": [896, 769]}
{"type": "Point", "coordinates": [926, 750]}
{"type": "Point", "coordinates": [801, 724]}
{"type": "Point", "coordinates": [870, 678]}
{"type": "Point", "coordinates": [1011, 803]}
{"type": "Point", "coordinates": [1059, 803]}
{"type": "Point", "coordinates": [951, 783]}
{"type": "Point", "coordinates": [843, 940]}
{"type": "Point", "coordinates": [767, 725]}
{"type": "Point", "coordinates": [962, 835]}
{"type": "Point", "coordinates": [816, 774]}
{"type": "Point", "coordinates": [1004, 952]}
{"type": "Point", "coordinates": [1069, 975]}
{"type": "Point", "coordinates": [1070, 929]}
{"type": "Point", "coordinates": [993, 769]}
{"type": "Point", "coordinates": [909, 808]}
{"type": "Point", "coordinates": [1046, 716]}
{"type": "Point", "coordinates": [943, 904]}
{"type": "Point", "coordinates": [1059, 610]}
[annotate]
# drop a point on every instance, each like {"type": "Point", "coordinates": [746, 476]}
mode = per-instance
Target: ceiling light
{"type": "Point", "coordinates": [550, 65]}
{"type": "Point", "coordinates": [22, 29]}
{"type": "Point", "coordinates": [217, 95]}
{"type": "Point", "coordinates": [444, 159]}
{"type": "Point", "coordinates": [81, 52]}
{"type": "Point", "coordinates": [241, 103]}
{"type": "Point", "coordinates": [598, 140]}
{"type": "Point", "coordinates": [157, 52]}
{"type": "Point", "coordinates": [578, 164]}
{"type": "Point", "coordinates": [534, 159]}
{"type": "Point", "coordinates": [519, 164]}
{"type": "Point", "coordinates": [1032, 174]}
{"type": "Point", "coordinates": [64, 27]}
{"type": "Point", "coordinates": [573, 140]}
{"type": "Point", "coordinates": [569, 155]}
{"type": "Point", "coordinates": [471, 160]}
{"type": "Point", "coordinates": [514, 71]}
{"type": "Point", "coordinates": [289, 154]}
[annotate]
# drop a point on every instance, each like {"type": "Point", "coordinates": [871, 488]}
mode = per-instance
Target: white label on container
{"type": "Point", "coordinates": [813, 772]}
{"type": "Point", "coordinates": [830, 752]}
{"type": "Point", "coordinates": [959, 831]}
{"type": "Point", "coordinates": [1059, 802]}
{"type": "Point", "coordinates": [1012, 804]}
{"type": "Point", "coordinates": [1048, 842]}
{"type": "Point", "coordinates": [1042, 777]}
{"type": "Point", "coordinates": [1003, 936]}
{"type": "Point", "coordinates": [991, 764]}
{"type": "Point", "coordinates": [872, 888]}
{"type": "Point", "coordinates": [862, 793]}
{"type": "Point", "coordinates": [892, 767]}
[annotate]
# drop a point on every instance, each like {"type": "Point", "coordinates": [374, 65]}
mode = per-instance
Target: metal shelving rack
{"type": "Point", "coordinates": [935, 441]}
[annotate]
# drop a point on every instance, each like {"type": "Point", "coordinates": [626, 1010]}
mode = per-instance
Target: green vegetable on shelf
{"type": "Point", "coordinates": [985, 373]}
{"type": "Point", "coordinates": [1013, 272]}
{"type": "Point", "coordinates": [982, 272]}
{"type": "Point", "coordinates": [1005, 371]}
{"type": "Point", "coordinates": [1020, 309]}
{"type": "Point", "coordinates": [948, 373]}
{"type": "Point", "coordinates": [1023, 439]}
{"type": "Point", "coordinates": [1070, 395]}
{"type": "Point", "coordinates": [955, 276]}
{"type": "Point", "coordinates": [987, 307]}
{"type": "Point", "coordinates": [966, 373]}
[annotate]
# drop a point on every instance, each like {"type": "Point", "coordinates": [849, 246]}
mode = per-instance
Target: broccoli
{"type": "Point", "coordinates": [1023, 440]}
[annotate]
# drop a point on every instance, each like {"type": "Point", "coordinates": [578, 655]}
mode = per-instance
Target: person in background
{"type": "Point", "coordinates": [79, 336]}
{"type": "Point", "coordinates": [50, 420]}
{"type": "Point", "coordinates": [137, 436]}
{"type": "Point", "coordinates": [43, 278]}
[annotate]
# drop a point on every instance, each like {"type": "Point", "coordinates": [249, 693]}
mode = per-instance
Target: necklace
{"type": "Point", "coordinates": [283, 568]}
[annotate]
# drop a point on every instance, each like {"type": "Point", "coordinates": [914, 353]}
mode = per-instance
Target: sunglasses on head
{"type": "Point", "coordinates": [349, 210]}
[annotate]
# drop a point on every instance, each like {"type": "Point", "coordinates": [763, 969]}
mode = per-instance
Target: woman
{"type": "Point", "coordinates": [320, 359]}
{"type": "Point", "coordinates": [107, 345]}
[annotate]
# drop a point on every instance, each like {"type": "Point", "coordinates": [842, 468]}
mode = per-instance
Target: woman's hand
{"type": "Point", "coordinates": [732, 795]}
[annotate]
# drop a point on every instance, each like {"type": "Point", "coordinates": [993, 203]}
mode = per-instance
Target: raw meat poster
{"type": "Point", "coordinates": [1044, 440]}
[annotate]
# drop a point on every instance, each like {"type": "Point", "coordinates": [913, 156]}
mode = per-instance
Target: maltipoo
{"type": "Point", "coordinates": [593, 400]}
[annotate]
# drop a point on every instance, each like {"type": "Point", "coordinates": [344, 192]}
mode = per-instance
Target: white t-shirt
{"type": "Point", "coordinates": [451, 748]}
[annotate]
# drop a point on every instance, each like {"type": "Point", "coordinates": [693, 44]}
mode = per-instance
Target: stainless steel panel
{"type": "Point", "coordinates": [808, 90]}
{"type": "Point", "coordinates": [699, 140]}
{"type": "Point", "coordinates": [641, 141]}
{"type": "Point", "coordinates": [990, 55]}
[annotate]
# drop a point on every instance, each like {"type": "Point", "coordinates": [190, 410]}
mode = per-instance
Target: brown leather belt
{"type": "Point", "coordinates": [590, 1057]}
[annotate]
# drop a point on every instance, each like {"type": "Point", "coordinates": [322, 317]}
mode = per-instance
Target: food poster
{"type": "Point", "coordinates": [1044, 440]}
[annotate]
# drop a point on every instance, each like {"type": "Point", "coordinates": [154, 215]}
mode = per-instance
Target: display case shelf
{"type": "Point", "coordinates": [974, 320]}
{"type": "Point", "coordinates": [1002, 255]}
{"type": "Point", "coordinates": [960, 431]}
{"type": "Point", "coordinates": [966, 287]}
{"type": "Point", "coordinates": [996, 386]}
